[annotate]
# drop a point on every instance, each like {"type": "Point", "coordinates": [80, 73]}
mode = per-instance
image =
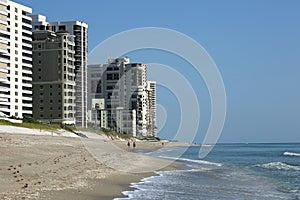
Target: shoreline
{"type": "Point", "coordinates": [46, 167]}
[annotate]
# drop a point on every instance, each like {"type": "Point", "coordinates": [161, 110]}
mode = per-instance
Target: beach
{"type": "Point", "coordinates": [47, 165]}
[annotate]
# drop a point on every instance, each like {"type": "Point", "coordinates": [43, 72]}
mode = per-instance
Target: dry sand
{"type": "Point", "coordinates": [47, 167]}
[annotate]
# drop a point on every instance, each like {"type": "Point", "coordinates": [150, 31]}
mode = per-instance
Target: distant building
{"type": "Point", "coordinates": [15, 59]}
{"type": "Point", "coordinates": [123, 86]}
{"type": "Point", "coordinates": [97, 115]}
{"type": "Point", "coordinates": [151, 108]}
{"type": "Point", "coordinates": [79, 30]}
{"type": "Point", "coordinates": [54, 77]}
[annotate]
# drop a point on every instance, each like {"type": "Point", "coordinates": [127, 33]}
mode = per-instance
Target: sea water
{"type": "Point", "coordinates": [230, 171]}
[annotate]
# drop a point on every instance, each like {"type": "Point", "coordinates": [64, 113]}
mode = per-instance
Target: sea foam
{"type": "Point", "coordinates": [291, 154]}
{"type": "Point", "coordinates": [279, 166]}
{"type": "Point", "coordinates": [194, 161]}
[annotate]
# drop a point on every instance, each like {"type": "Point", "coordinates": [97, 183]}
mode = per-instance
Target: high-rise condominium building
{"type": "Point", "coordinates": [54, 76]}
{"type": "Point", "coordinates": [123, 86]}
{"type": "Point", "coordinates": [4, 39]}
{"type": "Point", "coordinates": [17, 100]}
{"type": "Point", "coordinates": [151, 108]}
{"type": "Point", "coordinates": [79, 30]}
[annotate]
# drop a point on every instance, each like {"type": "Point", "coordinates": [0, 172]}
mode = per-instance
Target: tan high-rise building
{"type": "Point", "coordinates": [54, 77]}
{"type": "Point", "coordinates": [151, 108]}
{"type": "Point", "coordinates": [79, 30]}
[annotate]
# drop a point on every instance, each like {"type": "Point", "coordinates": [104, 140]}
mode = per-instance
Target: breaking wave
{"type": "Point", "coordinates": [279, 166]}
{"type": "Point", "coordinates": [291, 154]}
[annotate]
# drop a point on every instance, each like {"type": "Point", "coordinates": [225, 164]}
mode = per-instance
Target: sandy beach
{"type": "Point", "coordinates": [44, 166]}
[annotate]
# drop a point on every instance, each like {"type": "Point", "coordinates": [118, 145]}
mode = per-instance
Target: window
{"type": "Point", "coordinates": [41, 87]}
{"type": "Point", "coordinates": [51, 101]}
{"type": "Point", "coordinates": [16, 10]}
{"type": "Point", "coordinates": [16, 66]}
{"type": "Point", "coordinates": [16, 59]}
{"type": "Point", "coordinates": [41, 108]}
{"type": "Point", "coordinates": [40, 69]}
{"type": "Point", "coordinates": [39, 54]}
{"type": "Point", "coordinates": [16, 24]}
{"type": "Point", "coordinates": [40, 77]}
{"type": "Point", "coordinates": [40, 62]}
{"type": "Point", "coordinates": [16, 86]}
{"type": "Point", "coordinates": [62, 28]}
{"type": "Point", "coordinates": [50, 86]}
{"type": "Point", "coordinates": [16, 52]}
{"type": "Point", "coordinates": [16, 31]}
{"type": "Point", "coordinates": [16, 93]}
{"type": "Point", "coordinates": [41, 101]}
{"type": "Point", "coordinates": [39, 46]}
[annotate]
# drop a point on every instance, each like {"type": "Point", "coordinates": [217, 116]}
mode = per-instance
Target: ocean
{"type": "Point", "coordinates": [230, 171]}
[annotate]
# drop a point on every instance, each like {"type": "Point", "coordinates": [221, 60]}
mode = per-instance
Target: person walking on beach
{"type": "Point", "coordinates": [128, 144]}
{"type": "Point", "coordinates": [133, 144]}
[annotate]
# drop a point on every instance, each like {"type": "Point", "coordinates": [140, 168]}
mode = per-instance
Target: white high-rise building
{"type": "Point", "coordinates": [124, 87]}
{"type": "Point", "coordinates": [19, 57]}
{"type": "Point", "coordinates": [79, 30]}
{"type": "Point", "coordinates": [4, 39]}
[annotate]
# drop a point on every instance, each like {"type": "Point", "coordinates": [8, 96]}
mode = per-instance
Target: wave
{"type": "Point", "coordinates": [291, 154]}
{"type": "Point", "coordinates": [194, 161]}
{"type": "Point", "coordinates": [279, 166]}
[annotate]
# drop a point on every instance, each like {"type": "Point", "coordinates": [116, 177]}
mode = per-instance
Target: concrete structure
{"type": "Point", "coordinates": [16, 93]}
{"type": "Point", "coordinates": [79, 30]}
{"type": "Point", "coordinates": [54, 76]}
{"type": "Point", "coordinates": [123, 86]}
{"type": "Point", "coordinates": [97, 115]}
{"type": "Point", "coordinates": [151, 108]}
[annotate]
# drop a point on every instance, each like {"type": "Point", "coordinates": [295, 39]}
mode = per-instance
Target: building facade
{"type": "Point", "coordinates": [17, 101]}
{"type": "Point", "coordinates": [151, 108]}
{"type": "Point", "coordinates": [54, 77]}
{"type": "Point", "coordinates": [4, 59]}
{"type": "Point", "coordinates": [123, 85]}
{"type": "Point", "coordinates": [79, 30]}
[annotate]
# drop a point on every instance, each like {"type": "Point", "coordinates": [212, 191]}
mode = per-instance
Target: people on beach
{"type": "Point", "coordinates": [133, 144]}
{"type": "Point", "coordinates": [128, 144]}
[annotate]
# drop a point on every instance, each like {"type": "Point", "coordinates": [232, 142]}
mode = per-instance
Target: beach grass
{"type": "Point", "coordinates": [31, 124]}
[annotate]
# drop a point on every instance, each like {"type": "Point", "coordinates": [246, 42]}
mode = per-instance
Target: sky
{"type": "Point", "coordinates": [255, 45]}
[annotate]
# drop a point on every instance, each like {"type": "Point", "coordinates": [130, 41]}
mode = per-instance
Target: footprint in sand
{"type": "Point", "coordinates": [25, 186]}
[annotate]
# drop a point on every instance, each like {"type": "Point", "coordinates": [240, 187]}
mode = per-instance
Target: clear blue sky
{"type": "Point", "coordinates": [255, 44]}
